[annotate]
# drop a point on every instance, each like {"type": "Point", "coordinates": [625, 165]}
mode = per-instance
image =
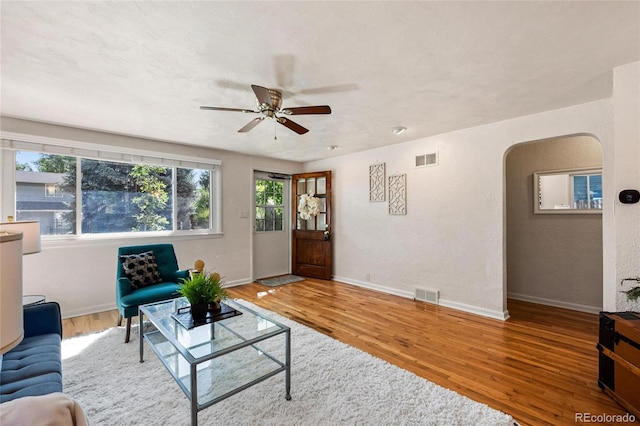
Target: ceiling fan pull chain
{"type": "Point", "coordinates": [275, 131]}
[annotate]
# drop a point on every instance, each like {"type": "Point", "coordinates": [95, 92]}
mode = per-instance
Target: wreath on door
{"type": "Point", "coordinates": [308, 206]}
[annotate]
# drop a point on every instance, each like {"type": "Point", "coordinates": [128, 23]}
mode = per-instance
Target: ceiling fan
{"type": "Point", "coordinates": [269, 105]}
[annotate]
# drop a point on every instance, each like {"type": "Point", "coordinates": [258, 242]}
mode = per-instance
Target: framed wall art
{"type": "Point", "coordinates": [398, 194]}
{"type": "Point", "coordinates": [376, 182]}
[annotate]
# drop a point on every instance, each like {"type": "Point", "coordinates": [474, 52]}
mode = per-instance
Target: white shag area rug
{"type": "Point", "coordinates": [331, 384]}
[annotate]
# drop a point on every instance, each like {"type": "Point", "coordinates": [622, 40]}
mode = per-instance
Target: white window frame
{"type": "Point", "coordinates": [263, 177]}
{"type": "Point", "coordinates": [573, 186]}
{"type": "Point", "coordinates": [16, 142]}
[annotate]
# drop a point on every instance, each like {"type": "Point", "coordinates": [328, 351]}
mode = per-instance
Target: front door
{"type": "Point", "coordinates": [311, 220]}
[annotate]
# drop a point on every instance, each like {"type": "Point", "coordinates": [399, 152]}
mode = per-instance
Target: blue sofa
{"type": "Point", "coordinates": [34, 367]}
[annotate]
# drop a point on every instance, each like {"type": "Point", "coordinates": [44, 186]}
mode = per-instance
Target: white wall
{"type": "Point", "coordinates": [453, 236]}
{"type": "Point", "coordinates": [80, 275]}
{"type": "Point", "coordinates": [623, 260]}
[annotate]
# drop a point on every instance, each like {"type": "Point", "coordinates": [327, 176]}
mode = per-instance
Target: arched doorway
{"type": "Point", "coordinates": [552, 259]}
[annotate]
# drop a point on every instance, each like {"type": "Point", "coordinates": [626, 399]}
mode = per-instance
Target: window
{"type": "Point", "coordinates": [568, 191]}
{"type": "Point", "coordinates": [112, 196]}
{"type": "Point", "coordinates": [269, 205]}
{"type": "Point", "coordinates": [587, 191]}
{"type": "Point", "coordinates": [35, 171]}
{"type": "Point", "coordinates": [52, 190]}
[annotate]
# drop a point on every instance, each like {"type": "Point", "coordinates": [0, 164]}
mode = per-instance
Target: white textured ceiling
{"type": "Point", "coordinates": [144, 68]}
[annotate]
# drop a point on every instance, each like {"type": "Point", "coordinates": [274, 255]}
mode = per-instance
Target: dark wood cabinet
{"type": "Point", "coordinates": [619, 358]}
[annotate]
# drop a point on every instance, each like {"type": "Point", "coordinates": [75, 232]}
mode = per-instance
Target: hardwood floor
{"type": "Point", "coordinates": [540, 366]}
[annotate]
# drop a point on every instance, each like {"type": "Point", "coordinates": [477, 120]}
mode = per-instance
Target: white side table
{"type": "Point", "coordinates": [33, 299]}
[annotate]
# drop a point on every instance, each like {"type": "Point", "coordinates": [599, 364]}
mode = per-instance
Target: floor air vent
{"type": "Point", "coordinates": [426, 295]}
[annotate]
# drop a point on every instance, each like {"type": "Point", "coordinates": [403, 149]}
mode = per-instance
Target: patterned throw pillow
{"type": "Point", "coordinates": [141, 269]}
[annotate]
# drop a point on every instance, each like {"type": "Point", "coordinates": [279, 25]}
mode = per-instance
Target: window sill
{"type": "Point", "coordinates": [67, 241]}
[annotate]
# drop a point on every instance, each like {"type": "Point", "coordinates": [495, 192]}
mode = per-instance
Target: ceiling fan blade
{"type": "Point", "coordinates": [262, 94]}
{"type": "Point", "coordinates": [292, 125]}
{"type": "Point", "coordinates": [250, 125]}
{"type": "Point", "coordinates": [226, 109]}
{"type": "Point", "coordinates": [320, 109]}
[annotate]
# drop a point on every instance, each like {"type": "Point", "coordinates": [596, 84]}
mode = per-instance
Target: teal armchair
{"type": "Point", "coordinates": [143, 278]}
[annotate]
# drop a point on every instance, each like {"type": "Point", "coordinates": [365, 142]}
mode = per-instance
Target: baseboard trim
{"type": "Point", "coordinates": [88, 310]}
{"type": "Point", "coordinates": [502, 316]}
{"type": "Point", "coordinates": [376, 287]}
{"type": "Point", "coordinates": [555, 303]}
{"type": "Point", "coordinates": [71, 313]}
{"type": "Point", "coordinates": [388, 290]}
{"type": "Point", "coordinates": [236, 283]}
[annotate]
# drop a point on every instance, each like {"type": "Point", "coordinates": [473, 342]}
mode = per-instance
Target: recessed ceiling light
{"type": "Point", "coordinates": [398, 130]}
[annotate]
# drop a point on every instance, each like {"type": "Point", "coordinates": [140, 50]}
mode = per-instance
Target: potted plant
{"type": "Point", "coordinates": [204, 291]}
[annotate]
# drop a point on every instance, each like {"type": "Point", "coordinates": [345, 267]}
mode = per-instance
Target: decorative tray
{"type": "Point", "coordinates": [184, 318]}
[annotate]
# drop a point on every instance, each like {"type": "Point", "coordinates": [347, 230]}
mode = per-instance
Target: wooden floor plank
{"type": "Point", "coordinates": [540, 366]}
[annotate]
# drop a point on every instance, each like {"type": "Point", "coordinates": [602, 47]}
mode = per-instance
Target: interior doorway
{"type": "Point", "coordinates": [271, 224]}
{"type": "Point", "coordinates": [553, 257]}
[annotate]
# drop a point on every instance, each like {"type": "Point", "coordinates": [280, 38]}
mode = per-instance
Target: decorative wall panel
{"type": "Point", "coordinates": [398, 194]}
{"type": "Point", "coordinates": [376, 182]}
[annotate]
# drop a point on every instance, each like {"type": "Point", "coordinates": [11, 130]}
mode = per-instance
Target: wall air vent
{"type": "Point", "coordinates": [426, 160]}
{"type": "Point", "coordinates": [427, 295]}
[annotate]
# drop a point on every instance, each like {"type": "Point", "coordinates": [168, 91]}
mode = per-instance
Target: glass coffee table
{"type": "Point", "coordinates": [216, 360]}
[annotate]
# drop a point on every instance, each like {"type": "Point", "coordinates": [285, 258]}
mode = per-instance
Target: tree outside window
{"type": "Point", "coordinates": [269, 205]}
{"type": "Point", "coordinates": [116, 197]}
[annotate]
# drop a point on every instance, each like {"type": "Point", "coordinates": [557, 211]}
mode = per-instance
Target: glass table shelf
{"type": "Point", "coordinates": [213, 361]}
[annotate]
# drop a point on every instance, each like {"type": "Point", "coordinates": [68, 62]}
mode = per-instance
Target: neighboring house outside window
{"type": "Point", "coordinates": [33, 201]}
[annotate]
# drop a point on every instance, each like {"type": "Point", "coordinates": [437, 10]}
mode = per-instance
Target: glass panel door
{"type": "Point", "coordinates": [317, 188]}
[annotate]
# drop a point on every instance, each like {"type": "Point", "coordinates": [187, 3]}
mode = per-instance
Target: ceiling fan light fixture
{"type": "Point", "coordinates": [398, 130]}
{"type": "Point", "coordinates": [269, 104]}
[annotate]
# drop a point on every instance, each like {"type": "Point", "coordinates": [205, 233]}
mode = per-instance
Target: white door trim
{"type": "Point", "coordinates": [271, 251]}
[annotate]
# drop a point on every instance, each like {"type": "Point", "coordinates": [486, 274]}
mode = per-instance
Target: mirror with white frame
{"type": "Point", "coordinates": [568, 191]}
